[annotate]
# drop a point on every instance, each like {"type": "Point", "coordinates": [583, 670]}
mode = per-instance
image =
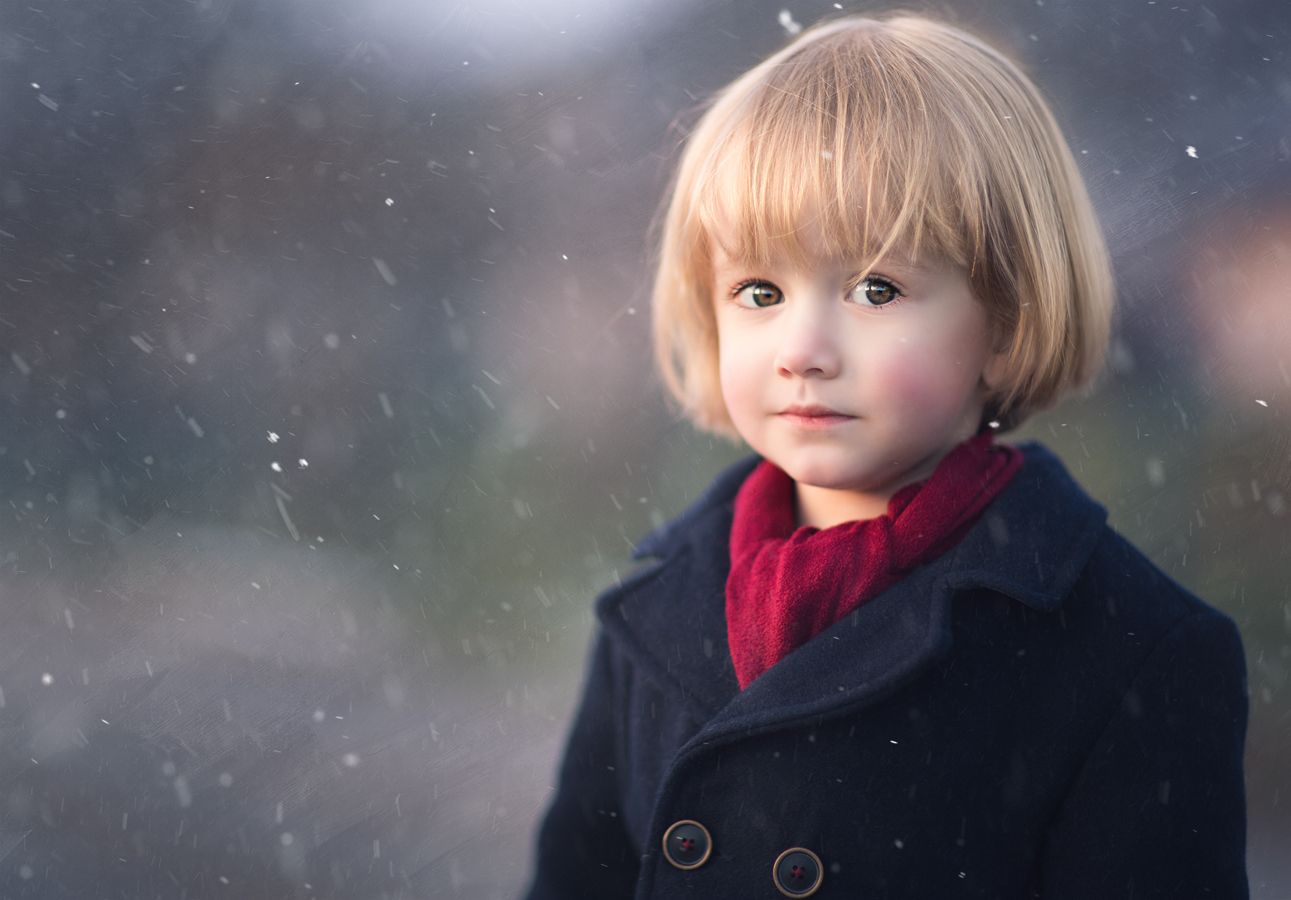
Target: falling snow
{"type": "Point", "coordinates": [349, 658]}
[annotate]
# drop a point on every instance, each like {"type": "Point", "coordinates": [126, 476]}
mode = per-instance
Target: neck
{"type": "Point", "coordinates": [826, 507]}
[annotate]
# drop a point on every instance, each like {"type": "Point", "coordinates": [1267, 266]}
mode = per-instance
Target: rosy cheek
{"type": "Point", "coordinates": [739, 390]}
{"type": "Point", "coordinates": [919, 383]}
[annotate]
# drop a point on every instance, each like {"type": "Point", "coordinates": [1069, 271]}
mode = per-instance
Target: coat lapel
{"type": "Point", "coordinates": [1031, 545]}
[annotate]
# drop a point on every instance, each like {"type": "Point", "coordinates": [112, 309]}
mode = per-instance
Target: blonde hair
{"type": "Point", "coordinates": [893, 133]}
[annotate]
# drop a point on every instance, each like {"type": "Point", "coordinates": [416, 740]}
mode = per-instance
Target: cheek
{"type": "Point", "coordinates": [745, 367]}
{"type": "Point", "coordinates": [924, 381]}
{"type": "Point", "coordinates": [740, 385]}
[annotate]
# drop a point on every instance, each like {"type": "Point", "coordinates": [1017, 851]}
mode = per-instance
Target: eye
{"type": "Point", "coordinates": [757, 294]}
{"type": "Point", "coordinates": [875, 291]}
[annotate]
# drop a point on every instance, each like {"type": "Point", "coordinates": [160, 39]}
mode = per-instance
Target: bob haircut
{"type": "Point", "coordinates": [892, 133]}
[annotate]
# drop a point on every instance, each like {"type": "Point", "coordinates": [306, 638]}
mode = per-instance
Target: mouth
{"type": "Point", "coordinates": [814, 416]}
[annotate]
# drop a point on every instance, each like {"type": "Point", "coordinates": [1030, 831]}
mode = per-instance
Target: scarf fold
{"type": "Point", "coordinates": [789, 584]}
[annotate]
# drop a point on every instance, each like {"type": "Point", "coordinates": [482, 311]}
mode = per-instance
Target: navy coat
{"type": "Point", "coordinates": [1041, 711]}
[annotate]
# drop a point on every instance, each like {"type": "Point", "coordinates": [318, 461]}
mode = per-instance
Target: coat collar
{"type": "Point", "coordinates": [1031, 544]}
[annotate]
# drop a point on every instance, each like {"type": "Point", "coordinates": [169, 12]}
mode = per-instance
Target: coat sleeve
{"type": "Point", "coordinates": [583, 849]}
{"type": "Point", "coordinates": [1159, 809]}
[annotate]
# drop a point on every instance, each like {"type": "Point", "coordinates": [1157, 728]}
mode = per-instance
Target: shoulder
{"type": "Point", "coordinates": [692, 547]}
{"type": "Point", "coordinates": [711, 508]}
{"type": "Point", "coordinates": [1117, 568]}
{"type": "Point", "coordinates": [1046, 543]}
{"type": "Point", "coordinates": [1129, 589]}
{"type": "Point", "coordinates": [698, 537]}
{"type": "Point", "coordinates": [1137, 613]}
{"type": "Point", "coordinates": [668, 621]}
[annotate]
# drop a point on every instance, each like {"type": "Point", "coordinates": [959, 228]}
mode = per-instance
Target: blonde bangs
{"type": "Point", "coordinates": [822, 148]}
{"type": "Point", "coordinates": [895, 135]}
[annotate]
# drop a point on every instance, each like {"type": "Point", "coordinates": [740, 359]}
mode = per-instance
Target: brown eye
{"type": "Point", "coordinates": [875, 291]}
{"type": "Point", "coordinates": [758, 294]}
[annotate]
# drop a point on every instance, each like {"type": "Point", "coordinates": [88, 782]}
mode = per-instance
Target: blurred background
{"type": "Point", "coordinates": [326, 405]}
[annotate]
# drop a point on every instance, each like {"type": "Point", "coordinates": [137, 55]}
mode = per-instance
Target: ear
{"type": "Point", "coordinates": [995, 369]}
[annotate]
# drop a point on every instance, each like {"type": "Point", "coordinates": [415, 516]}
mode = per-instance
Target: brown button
{"type": "Point", "coordinates": [687, 844]}
{"type": "Point", "coordinates": [797, 872]}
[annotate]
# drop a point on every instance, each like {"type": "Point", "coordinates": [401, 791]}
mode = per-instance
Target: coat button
{"type": "Point", "coordinates": [797, 872]}
{"type": "Point", "coordinates": [687, 844]}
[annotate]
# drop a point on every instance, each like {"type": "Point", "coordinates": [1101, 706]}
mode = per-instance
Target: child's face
{"type": "Point", "coordinates": [854, 386]}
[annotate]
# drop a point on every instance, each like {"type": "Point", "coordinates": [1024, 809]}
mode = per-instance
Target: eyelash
{"type": "Point", "coordinates": [880, 280]}
{"type": "Point", "coordinates": [874, 279]}
{"type": "Point", "coordinates": [748, 283]}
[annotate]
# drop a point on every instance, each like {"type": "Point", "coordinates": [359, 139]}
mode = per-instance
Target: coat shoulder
{"type": "Point", "coordinates": [716, 498]}
{"type": "Point", "coordinates": [1130, 586]}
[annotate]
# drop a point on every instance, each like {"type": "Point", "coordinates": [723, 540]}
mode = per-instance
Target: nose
{"type": "Point", "coordinates": [808, 345]}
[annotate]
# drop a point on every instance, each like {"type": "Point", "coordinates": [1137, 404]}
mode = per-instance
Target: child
{"type": "Point", "coordinates": [893, 658]}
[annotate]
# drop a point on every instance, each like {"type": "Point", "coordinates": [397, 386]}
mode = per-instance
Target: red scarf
{"type": "Point", "coordinates": [789, 584]}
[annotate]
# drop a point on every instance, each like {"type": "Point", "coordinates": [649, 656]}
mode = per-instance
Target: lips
{"type": "Point", "coordinates": [814, 416]}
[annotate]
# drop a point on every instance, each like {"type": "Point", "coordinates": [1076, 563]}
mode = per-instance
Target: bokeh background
{"type": "Point", "coordinates": [326, 406]}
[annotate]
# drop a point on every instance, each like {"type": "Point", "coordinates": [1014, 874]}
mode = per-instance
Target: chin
{"type": "Point", "coordinates": [836, 475]}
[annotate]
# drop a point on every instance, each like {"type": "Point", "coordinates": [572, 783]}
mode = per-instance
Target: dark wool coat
{"type": "Point", "coordinates": [1039, 712]}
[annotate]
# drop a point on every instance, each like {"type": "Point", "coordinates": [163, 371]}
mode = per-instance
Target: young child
{"type": "Point", "coordinates": [892, 658]}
